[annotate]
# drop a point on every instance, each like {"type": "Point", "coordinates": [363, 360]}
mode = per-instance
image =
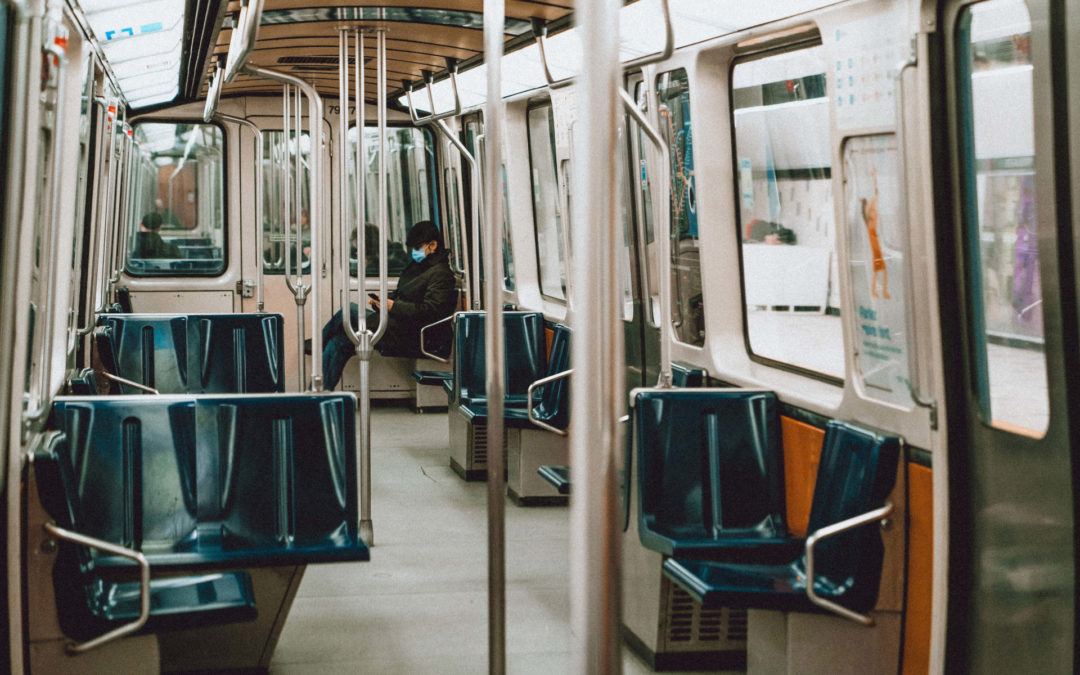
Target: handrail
{"type": "Point", "coordinates": [315, 115]}
{"type": "Point", "coordinates": [451, 67]}
{"type": "Point", "coordinates": [259, 225]}
{"type": "Point", "coordinates": [539, 29]}
{"type": "Point", "coordinates": [472, 277]}
{"type": "Point", "coordinates": [423, 350]}
{"type": "Point", "coordinates": [244, 37]}
{"type": "Point", "coordinates": [214, 93]}
{"type": "Point", "coordinates": [144, 585]}
{"type": "Point", "coordinates": [52, 46]}
{"type": "Point", "coordinates": [529, 401]}
{"type": "Point", "coordinates": [130, 383]}
{"type": "Point", "coordinates": [662, 233]}
{"type": "Point", "coordinates": [830, 531]}
{"type": "Point", "coordinates": [914, 381]}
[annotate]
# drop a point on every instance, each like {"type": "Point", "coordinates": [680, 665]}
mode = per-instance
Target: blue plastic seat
{"type": "Point", "coordinates": [686, 375]}
{"type": "Point", "coordinates": [551, 401]}
{"type": "Point", "coordinates": [89, 605]}
{"type": "Point", "coordinates": [194, 353]}
{"type": "Point", "coordinates": [856, 474]}
{"type": "Point", "coordinates": [219, 482]}
{"type": "Point", "coordinates": [711, 480]}
{"type": "Point", "coordinates": [526, 358]}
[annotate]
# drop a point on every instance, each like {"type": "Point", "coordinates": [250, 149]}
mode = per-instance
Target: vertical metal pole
{"type": "Point", "coordinates": [477, 199]}
{"type": "Point", "coordinates": [364, 345]}
{"type": "Point", "coordinates": [259, 224]}
{"type": "Point", "coordinates": [596, 401]}
{"type": "Point", "coordinates": [494, 21]}
{"type": "Point", "coordinates": [315, 226]}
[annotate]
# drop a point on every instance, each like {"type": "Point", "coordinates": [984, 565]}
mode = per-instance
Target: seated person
{"type": "Point", "coordinates": [425, 293]}
{"type": "Point", "coordinates": [149, 244]}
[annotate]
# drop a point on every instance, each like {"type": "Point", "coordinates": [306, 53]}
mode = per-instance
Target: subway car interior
{"type": "Point", "coordinates": [775, 380]}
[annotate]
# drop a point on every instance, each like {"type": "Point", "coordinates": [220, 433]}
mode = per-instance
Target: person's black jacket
{"type": "Point", "coordinates": [425, 293]}
{"type": "Point", "coordinates": [151, 245]}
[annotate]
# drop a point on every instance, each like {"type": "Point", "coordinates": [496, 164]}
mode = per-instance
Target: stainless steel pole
{"type": "Point", "coordinates": [494, 22]}
{"type": "Point", "coordinates": [597, 356]}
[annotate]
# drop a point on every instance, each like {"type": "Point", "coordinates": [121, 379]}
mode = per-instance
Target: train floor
{"type": "Point", "coordinates": [420, 604]}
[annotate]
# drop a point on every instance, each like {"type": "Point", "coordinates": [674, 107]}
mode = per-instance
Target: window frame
{"type": "Point", "coordinates": [536, 104]}
{"type": "Point", "coordinates": [225, 203]}
{"type": "Point", "coordinates": [804, 42]}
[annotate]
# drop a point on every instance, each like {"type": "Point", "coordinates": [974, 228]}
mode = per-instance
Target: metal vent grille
{"type": "Point", "coordinates": [691, 628]}
{"type": "Point", "coordinates": [480, 445]}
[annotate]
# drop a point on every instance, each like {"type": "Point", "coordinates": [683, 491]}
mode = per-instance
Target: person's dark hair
{"type": "Point", "coordinates": [152, 221]}
{"type": "Point", "coordinates": [421, 233]}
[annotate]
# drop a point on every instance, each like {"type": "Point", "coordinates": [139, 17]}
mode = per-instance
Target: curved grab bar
{"type": "Point", "coordinates": [214, 95]}
{"type": "Point", "coordinates": [144, 585]}
{"type": "Point", "coordinates": [472, 271]}
{"type": "Point", "coordinates": [825, 533]}
{"type": "Point", "coordinates": [243, 38]}
{"type": "Point", "coordinates": [130, 383]}
{"type": "Point", "coordinates": [315, 179]}
{"type": "Point", "coordinates": [529, 401]}
{"type": "Point", "coordinates": [539, 29]}
{"type": "Point", "coordinates": [663, 232]}
{"type": "Point", "coordinates": [424, 351]}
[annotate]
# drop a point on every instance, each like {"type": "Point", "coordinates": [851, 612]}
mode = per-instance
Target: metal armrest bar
{"type": "Point", "coordinates": [424, 351]}
{"type": "Point", "coordinates": [825, 533]}
{"type": "Point", "coordinates": [144, 586]}
{"type": "Point", "coordinates": [529, 401]}
{"type": "Point", "coordinates": [131, 383]}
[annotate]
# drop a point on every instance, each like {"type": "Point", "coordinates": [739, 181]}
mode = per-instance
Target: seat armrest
{"type": "Point", "coordinates": [830, 531]}
{"type": "Point", "coordinates": [529, 401]}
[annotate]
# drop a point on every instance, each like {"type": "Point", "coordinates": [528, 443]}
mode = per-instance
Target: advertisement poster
{"type": "Point", "coordinates": [877, 236]}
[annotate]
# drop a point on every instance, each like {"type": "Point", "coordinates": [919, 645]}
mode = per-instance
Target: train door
{"type": "Point", "coordinates": [1006, 315]}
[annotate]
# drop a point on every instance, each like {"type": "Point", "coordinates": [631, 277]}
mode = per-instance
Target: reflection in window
{"type": "Point", "coordinates": [996, 107]}
{"type": "Point", "coordinates": [785, 217]}
{"type": "Point", "coordinates": [547, 214]}
{"type": "Point", "coordinates": [177, 216]}
{"type": "Point", "coordinates": [688, 307]}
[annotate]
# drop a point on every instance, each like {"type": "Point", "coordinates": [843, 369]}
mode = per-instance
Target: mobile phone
{"type": "Point", "coordinates": [373, 296]}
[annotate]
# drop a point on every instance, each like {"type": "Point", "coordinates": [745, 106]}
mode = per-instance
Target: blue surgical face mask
{"type": "Point", "coordinates": [418, 254]}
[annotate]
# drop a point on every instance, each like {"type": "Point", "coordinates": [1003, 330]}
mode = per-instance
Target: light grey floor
{"type": "Point", "coordinates": [420, 604]}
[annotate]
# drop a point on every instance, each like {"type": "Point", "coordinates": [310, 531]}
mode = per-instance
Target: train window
{"type": "Point", "coordinates": [410, 195]}
{"type": "Point", "coordinates": [547, 214]}
{"type": "Point", "coordinates": [785, 210]}
{"type": "Point", "coordinates": [474, 141]}
{"type": "Point", "coordinates": [688, 307]}
{"type": "Point", "coordinates": [1000, 214]}
{"type": "Point", "coordinates": [177, 219]}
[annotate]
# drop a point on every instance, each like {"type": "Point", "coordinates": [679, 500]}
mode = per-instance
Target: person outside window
{"type": "Point", "coordinates": [149, 244]}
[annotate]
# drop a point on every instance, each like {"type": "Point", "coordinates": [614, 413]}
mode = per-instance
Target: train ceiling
{"type": "Point", "coordinates": [165, 51]}
{"type": "Point", "coordinates": [302, 40]}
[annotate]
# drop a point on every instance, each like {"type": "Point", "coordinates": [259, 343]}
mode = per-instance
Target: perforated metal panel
{"type": "Point", "coordinates": [690, 628]}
